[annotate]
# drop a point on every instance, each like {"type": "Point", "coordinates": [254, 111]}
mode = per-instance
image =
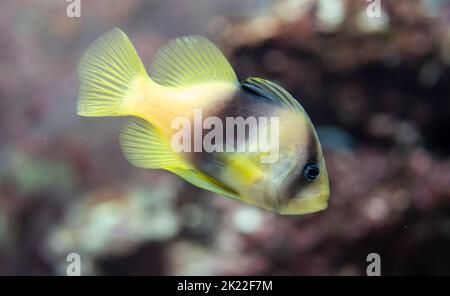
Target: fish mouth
{"type": "Point", "coordinates": [304, 202]}
{"type": "Point", "coordinates": [309, 210]}
{"type": "Point", "coordinates": [306, 205]}
{"type": "Point", "coordinates": [299, 206]}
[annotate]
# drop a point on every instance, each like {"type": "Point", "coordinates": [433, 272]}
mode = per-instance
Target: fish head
{"type": "Point", "coordinates": [307, 191]}
{"type": "Point", "coordinates": [297, 183]}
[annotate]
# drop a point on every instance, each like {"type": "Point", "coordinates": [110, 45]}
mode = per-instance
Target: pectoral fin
{"type": "Point", "coordinates": [239, 169]}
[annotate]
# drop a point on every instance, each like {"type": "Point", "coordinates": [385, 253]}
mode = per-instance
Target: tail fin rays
{"type": "Point", "coordinates": [107, 71]}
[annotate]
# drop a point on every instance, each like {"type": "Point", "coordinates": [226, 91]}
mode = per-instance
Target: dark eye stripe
{"type": "Point", "coordinates": [300, 182]}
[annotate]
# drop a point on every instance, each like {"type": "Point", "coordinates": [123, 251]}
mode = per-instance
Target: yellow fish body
{"type": "Point", "coordinates": [190, 74]}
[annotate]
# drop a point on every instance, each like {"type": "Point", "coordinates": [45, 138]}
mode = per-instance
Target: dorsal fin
{"type": "Point", "coordinates": [189, 60]}
{"type": "Point", "coordinates": [272, 92]}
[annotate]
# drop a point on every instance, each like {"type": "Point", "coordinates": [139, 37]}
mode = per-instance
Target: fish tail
{"type": "Point", "coordinates": [109, 71]}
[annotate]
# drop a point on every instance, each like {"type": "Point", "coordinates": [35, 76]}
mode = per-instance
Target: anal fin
{"type": "Point", "coordinates": [145, 147]}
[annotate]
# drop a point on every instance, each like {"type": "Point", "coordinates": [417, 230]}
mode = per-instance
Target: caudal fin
{"type": "Point", "coordinates": [107, 71]}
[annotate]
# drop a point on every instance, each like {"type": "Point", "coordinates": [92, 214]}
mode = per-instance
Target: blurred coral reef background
{"type": "Point", "coordinates": [377, 90]}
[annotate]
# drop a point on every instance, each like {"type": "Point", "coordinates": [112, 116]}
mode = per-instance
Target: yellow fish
{"type": "Point", "coordinates": [190, 74]}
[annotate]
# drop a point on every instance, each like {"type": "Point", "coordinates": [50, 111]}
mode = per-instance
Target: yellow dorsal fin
{"type": "Point", "coordinates": [190, 60]}
{"type": "Point", "coordinates": [144, 146]}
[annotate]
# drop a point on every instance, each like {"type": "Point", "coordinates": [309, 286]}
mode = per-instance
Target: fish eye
{"type": "Point", "coordinates": [311, 171]}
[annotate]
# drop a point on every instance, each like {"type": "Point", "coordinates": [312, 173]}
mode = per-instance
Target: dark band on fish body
{"type": "Point", "coordinates": [250, 101]}
{"type": "Point", "coordinates": [312, 145]}
{"type": "Point", "coordinates": [245, 104]}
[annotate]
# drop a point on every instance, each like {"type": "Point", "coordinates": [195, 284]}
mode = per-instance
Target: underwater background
{"type": "Point", "coordinates": [376, 88]}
